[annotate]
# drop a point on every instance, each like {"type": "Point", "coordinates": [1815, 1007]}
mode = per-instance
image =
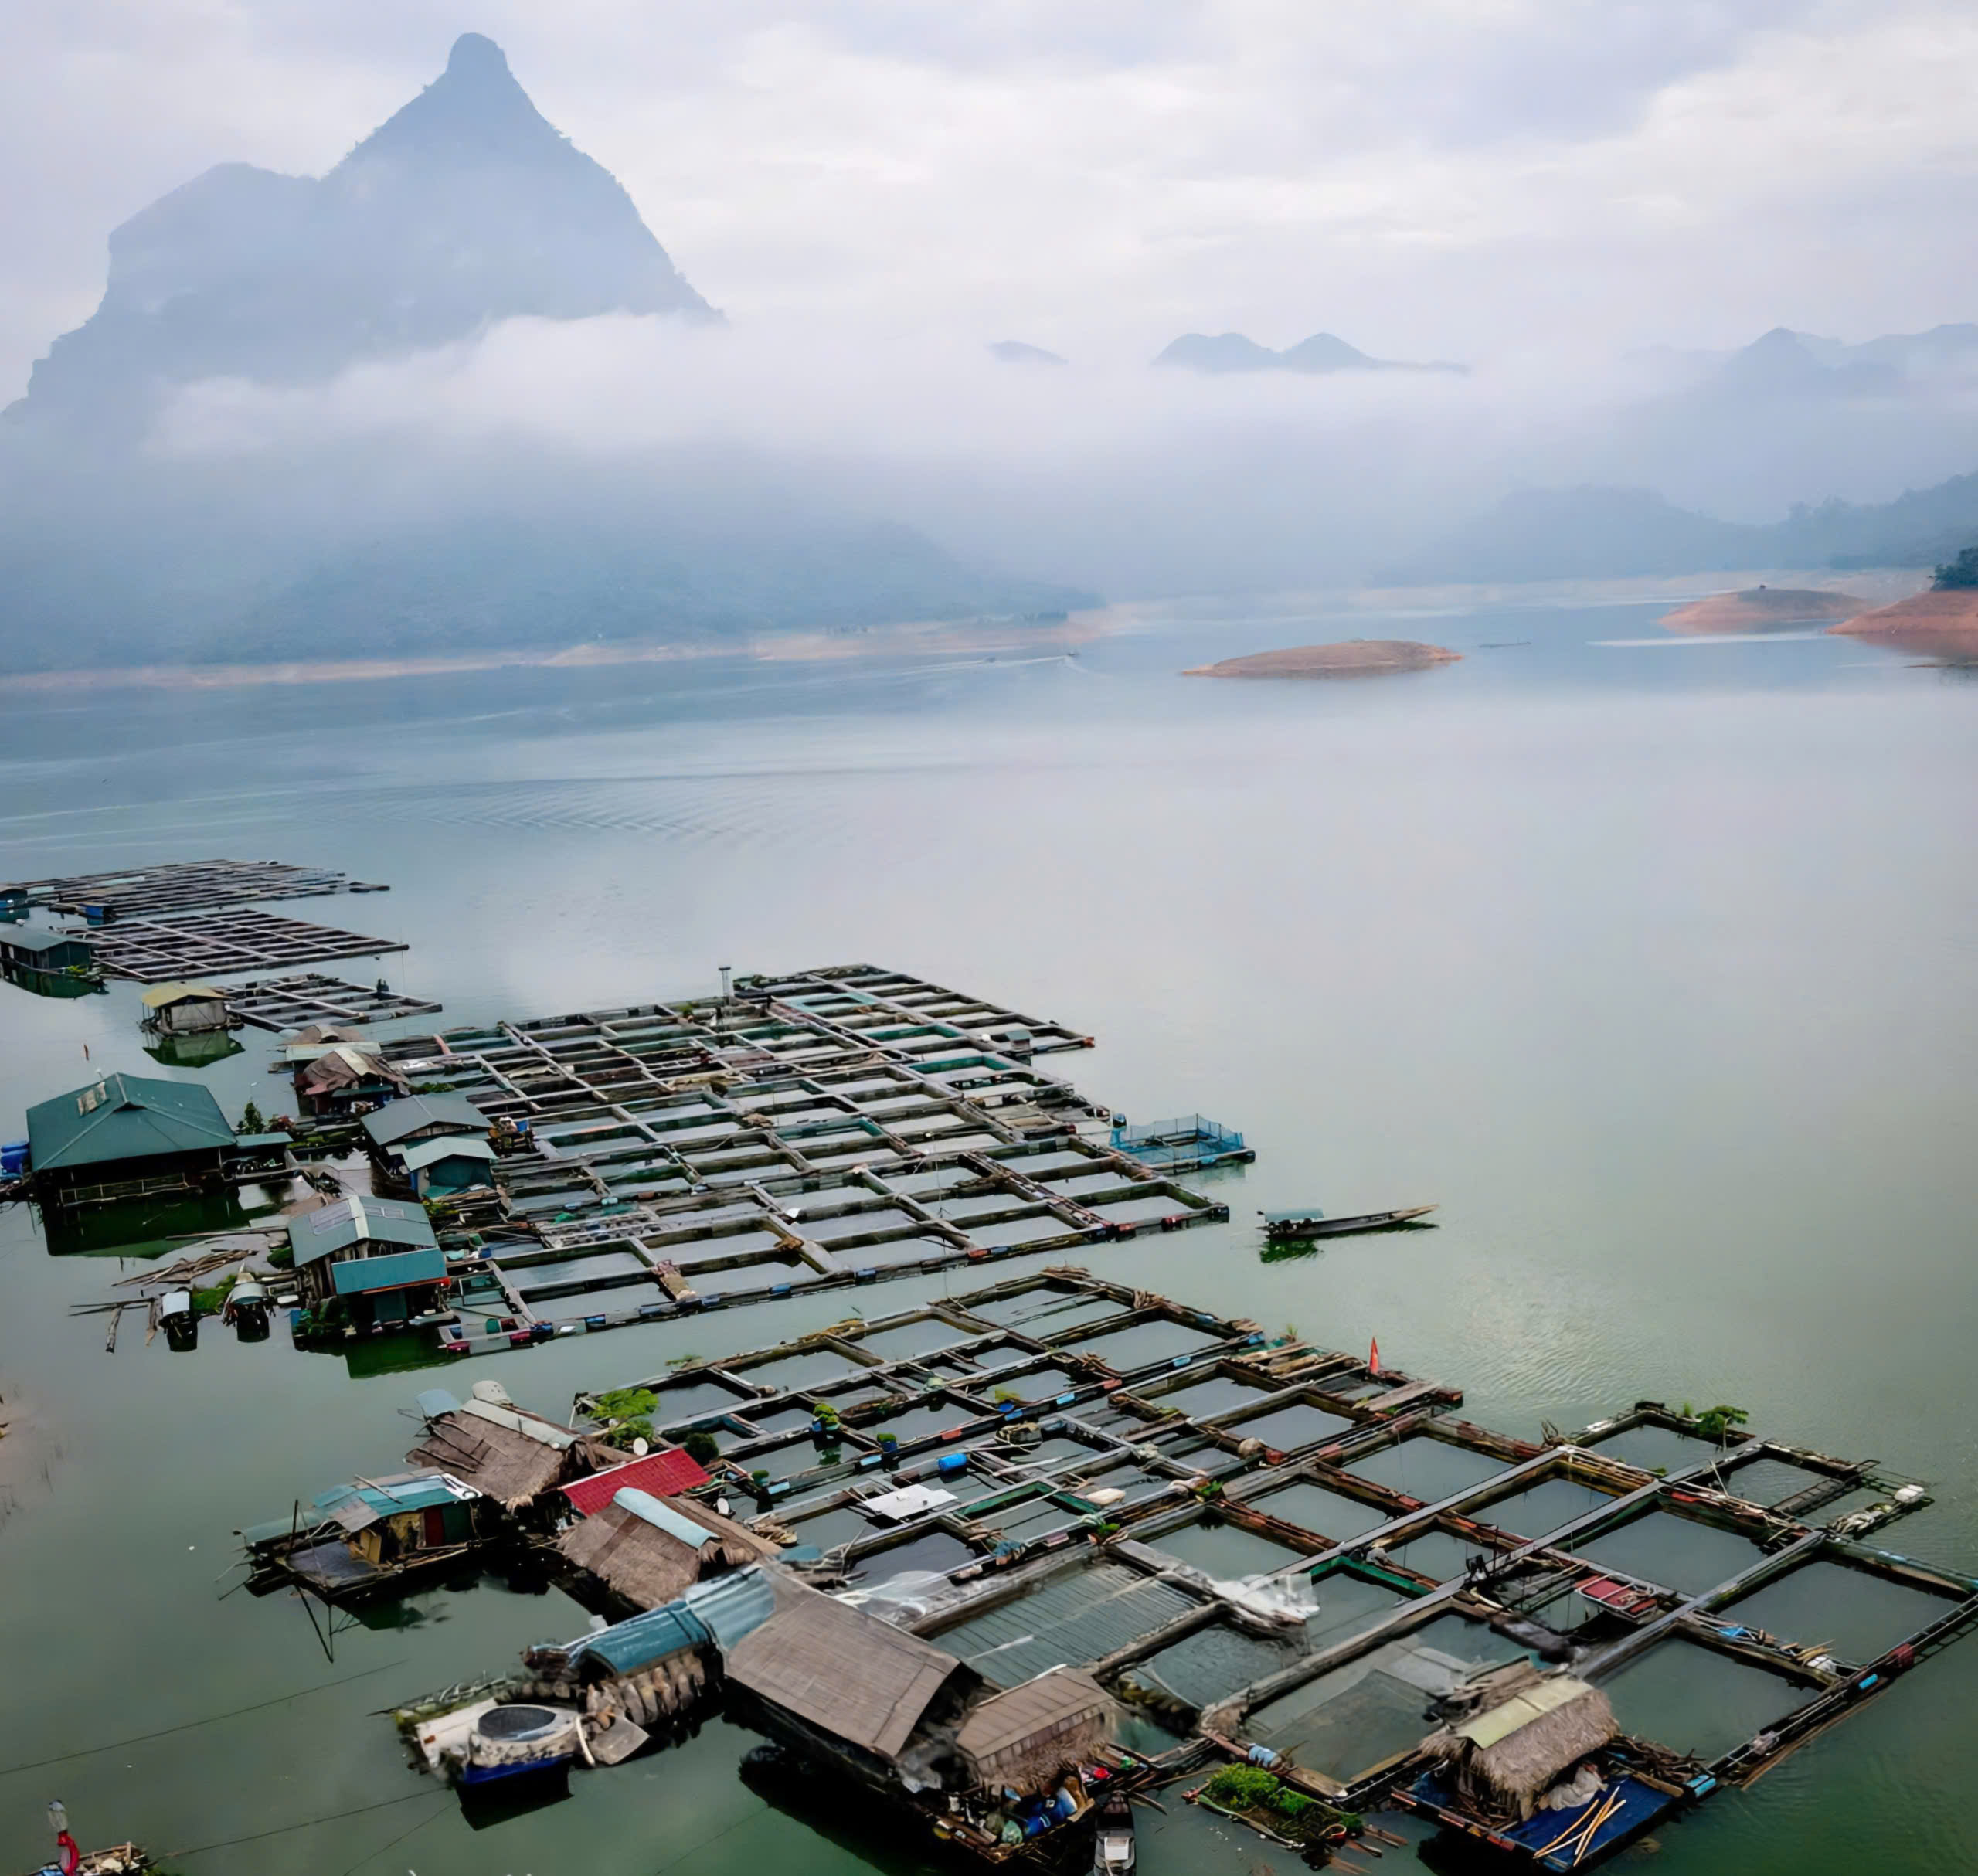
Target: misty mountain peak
{"type": "Point", "coordinates": [1322, 353]}
{"type": "Point", "coordinates": [474, 110]}
{"type": "Point", "coordinates": [475, 57]}
{"type": "Point", "coordinates": [465, 207]}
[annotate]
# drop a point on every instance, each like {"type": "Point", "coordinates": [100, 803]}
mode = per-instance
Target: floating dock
{"type": "Point", "coordinates": [187, 946]}
{"type": "Point", "coordinates": [290, 1003]}
{"type": "Point", "coordinates": [181, 885]}
{"type": "Point", "coordinates": [835, 1127]}
{"type": "Point", "coordinates": [1268, 1553]}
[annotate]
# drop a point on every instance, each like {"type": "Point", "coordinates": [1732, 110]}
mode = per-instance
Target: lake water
{"type": "Point", "coordinates": [1654, 964]}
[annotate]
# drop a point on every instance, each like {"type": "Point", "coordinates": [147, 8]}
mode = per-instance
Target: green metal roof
{"type": "Point", "coordinates": [424, 1153]}
{"type": "Point", "coordinates": [125, 1117]}
{"type": "Point", "coordinates": [397, 1119]}
{"type": "Point", "coordinates": [356, 1220]}
{"type": "Point", "coordinates": [360, 1277]}
{"type": "Point", "coordinates": [21, 939]}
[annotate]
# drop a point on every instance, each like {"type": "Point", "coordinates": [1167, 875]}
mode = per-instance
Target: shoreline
{"type": "Point", "coordinates": [945, 637]}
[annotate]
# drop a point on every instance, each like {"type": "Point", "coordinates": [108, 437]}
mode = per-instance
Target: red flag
{"type": "Point", "coordinates": [1374, 1356]}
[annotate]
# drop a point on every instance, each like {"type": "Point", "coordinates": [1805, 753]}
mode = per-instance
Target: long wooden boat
{"type": "Point", "coordinates": [1297, 1227]}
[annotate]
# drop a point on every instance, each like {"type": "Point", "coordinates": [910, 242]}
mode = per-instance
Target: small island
{"type": "Point", "coordinates": [1352, 658]}
{"type": "Point", "coordinates": [1762, 609]}
{"type": "Point", "coordinates": [1939, 623]}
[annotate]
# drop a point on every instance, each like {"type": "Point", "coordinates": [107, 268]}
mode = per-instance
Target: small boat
{"type": "Point", "coordinates": [121, 1859]}
{"type": "Point", "coordinates": [518, 1741]}
{"type": "Point", "coordinates": [1113, 1849]}
{"type": "Point", "coordinates": [1298, 1227]}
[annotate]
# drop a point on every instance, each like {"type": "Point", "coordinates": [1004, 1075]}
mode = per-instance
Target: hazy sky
{"type": "Point", "coordinates": [1429, 177]}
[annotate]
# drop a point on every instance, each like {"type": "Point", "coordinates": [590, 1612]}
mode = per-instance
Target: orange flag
{"type": "Point", "coordinates": [1374, 1356]}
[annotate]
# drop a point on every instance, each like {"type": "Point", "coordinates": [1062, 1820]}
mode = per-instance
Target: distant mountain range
{"type": "Point", "coordinates": [1598, 533]}
{"type": "Point", "coordinates": [1015, 352]}
{"type": "Point", "coordinates": [1786, 362]}
{"type": "Point", "coordinates": [465, 207]}
{"type": "Point", "coordinates": [1321, 353]}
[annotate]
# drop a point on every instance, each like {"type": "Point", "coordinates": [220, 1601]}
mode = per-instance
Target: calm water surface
{"type": "Point", "coordinates": [1654, 966]}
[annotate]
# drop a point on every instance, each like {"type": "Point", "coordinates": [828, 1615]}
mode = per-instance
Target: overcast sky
{"type": "Point", "coordinates": [1451, 179]}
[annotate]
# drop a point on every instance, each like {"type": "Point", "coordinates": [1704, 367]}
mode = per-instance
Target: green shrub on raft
{"type": "Point", "coordinates": [1242, 1787]}
{"type": "Point", "coordinates": [212, 1301]}
{"type": "Point", "coordinates": [626, 1404]}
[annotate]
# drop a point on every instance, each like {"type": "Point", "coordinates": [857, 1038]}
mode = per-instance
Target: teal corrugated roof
{"type": "Point", "coordinates": [397, 1118]}
{"type": "Point", "coordinates": [125, 1117]}
{"type": "Point", "coordinates": [733, 1605]}
{"type": "Point", "coordinates": [423, 1152]}
{"type": "Point", "coordinates": [359, 1276]}
{"type": "Point", "coordinates": [359, 1220]}
{"type": "Point", "coordinates": [21, 939]}
{"type": "Point", "coordinates": [662, 1516]}
{"type": "Point", "coordinates": [633, 1646]}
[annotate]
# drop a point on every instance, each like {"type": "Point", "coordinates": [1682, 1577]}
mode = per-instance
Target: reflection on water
{"type": "Point", "coordinates": [1654, 970]}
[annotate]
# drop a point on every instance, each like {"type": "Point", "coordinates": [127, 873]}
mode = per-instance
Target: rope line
{"type": "Point", "coordinates": [212, 1719]}
{"type": "Point", "coordinates": [308, 1824]}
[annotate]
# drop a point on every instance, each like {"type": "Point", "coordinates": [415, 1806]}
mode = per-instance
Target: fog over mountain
{"type": "Point", "coordinates": [466, 207]}
{"type": "Point", "coordinates": [454, 391]}
{"type": "Point", "coordinates": [1322, 352]}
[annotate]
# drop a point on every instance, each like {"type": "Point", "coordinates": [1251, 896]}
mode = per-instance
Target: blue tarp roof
{"type": "Point", "coordinates": [723, 1611]}
{"type": "Point", "coordinates": [662, 1516]}
{"type": "Point", "coordinates": [733, 1605]}
{"type": "Point", "coordinates": [359, 1277]}
{"type": "Point", "coordinates": [633, 1646]}
{"type": "Point", "coordinates": [390, 1501]}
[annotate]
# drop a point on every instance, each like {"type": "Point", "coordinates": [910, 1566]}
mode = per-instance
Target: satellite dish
{"type": "Point", "coordinates": [640, 1448]}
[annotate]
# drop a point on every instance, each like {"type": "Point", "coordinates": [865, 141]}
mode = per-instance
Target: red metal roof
{"type": "Point", "coordinates": [663, 1473]}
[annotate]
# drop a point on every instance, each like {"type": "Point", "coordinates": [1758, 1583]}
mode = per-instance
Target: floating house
{"type": "Point", "coordinates": [433, 1146]}
{"type": "Point", "coordinates": [378, 1256]}
{"type": "Point", "coordinates": [645, 1547]}
{"type": "Point", "coordinates": [186, 1009]}
{"type": "Point", "coordinates": [46, 953]}
{"type": "Point", "coordinates": [1020, 1739]}
{"type": "Point", "coordinates": [846, 1686]}
{"type": "Point", "coordinates": [1507, 1757]}
{"type": "Point", "coordinates": [373, 1538]}
{"type": "Point", "coordinates": [513, 1457]}
{"type": "Point", "coordinates": [343, 1080]}
{"type": "Point", "coordinates": [128, 1134]}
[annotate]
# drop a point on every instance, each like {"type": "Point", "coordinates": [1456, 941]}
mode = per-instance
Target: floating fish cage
{"type": "Point", "coordinates": [1185, 1143]}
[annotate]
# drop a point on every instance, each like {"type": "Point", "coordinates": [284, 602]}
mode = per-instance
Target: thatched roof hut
{"type": "Point", "coordinates": [847, 1674]}
{"type": "Point", "coordinates": [1020, 1738]}
{"type": "Point", "coordinates": [503, 1459]}
{"type": "Point", "coordinates": [649, 1550]}
{"type": "Point", "coordinates": [1507, 1757]}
